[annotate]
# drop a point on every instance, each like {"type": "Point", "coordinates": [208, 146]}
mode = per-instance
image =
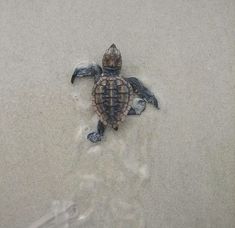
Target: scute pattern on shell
{"type": "Point", "coordinates": [112, 98]}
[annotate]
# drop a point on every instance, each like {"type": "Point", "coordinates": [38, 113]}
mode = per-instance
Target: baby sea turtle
{"type": "Point", "coordinates": [112, 94]}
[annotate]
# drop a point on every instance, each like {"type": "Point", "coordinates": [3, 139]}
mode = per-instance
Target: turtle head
{"type": "Point", "coordinates": [112, 59]}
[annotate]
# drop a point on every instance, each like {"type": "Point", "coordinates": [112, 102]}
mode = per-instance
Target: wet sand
{"type": "Point", "coordinates": [168, 168]}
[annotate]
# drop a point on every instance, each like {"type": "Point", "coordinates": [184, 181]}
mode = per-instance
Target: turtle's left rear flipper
{"type": "Point", "coordinates": [96, 136]}
{"type": "Point", "coordinates": [92, 70]}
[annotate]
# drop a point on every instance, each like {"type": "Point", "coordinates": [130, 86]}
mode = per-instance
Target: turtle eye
{"type": "Point", "coordinates": [118, 61]}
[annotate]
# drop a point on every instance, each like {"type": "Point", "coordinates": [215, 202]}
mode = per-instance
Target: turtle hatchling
{"type": "Point", "coordinates": [114, 96]}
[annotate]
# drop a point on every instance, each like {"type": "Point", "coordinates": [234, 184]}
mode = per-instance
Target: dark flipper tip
{"type": "Point", "coordinates": [74, 76]}
{"type": "Point", "coordinates": [94, 137]}
{"type": "Point", "coordinates": [72, 79]}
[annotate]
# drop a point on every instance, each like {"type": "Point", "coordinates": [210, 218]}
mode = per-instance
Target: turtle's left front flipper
{"type": "Point", "coordinates": [93, 70]}
{"type": "Point", "coordinates": [142, 91]}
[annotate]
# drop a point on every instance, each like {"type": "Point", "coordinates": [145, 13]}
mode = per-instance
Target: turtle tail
{"type": "Point", "coordinates": [115, 127]}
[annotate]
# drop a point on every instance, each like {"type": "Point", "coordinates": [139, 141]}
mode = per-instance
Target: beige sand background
{"type": "Point", "coordinates": [173, 168]}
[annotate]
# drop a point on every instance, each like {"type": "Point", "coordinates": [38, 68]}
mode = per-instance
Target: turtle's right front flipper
{"type": "Point", "coordinates": [142, 91]}
{"type": "Point", "coordinates": [92, 70]}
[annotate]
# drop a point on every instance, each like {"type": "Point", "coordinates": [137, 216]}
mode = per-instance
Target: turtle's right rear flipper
{"type": "Point", "coordinates": [92, 70]}
{"type": "Point", "coordinates": [137, 107]}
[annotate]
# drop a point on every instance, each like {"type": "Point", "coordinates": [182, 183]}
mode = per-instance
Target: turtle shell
{"type": "Point", "coordinates": [112, 97]}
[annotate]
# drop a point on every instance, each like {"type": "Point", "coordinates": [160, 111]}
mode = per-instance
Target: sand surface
{"type": "Point", "coordinates": [173, 168]}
